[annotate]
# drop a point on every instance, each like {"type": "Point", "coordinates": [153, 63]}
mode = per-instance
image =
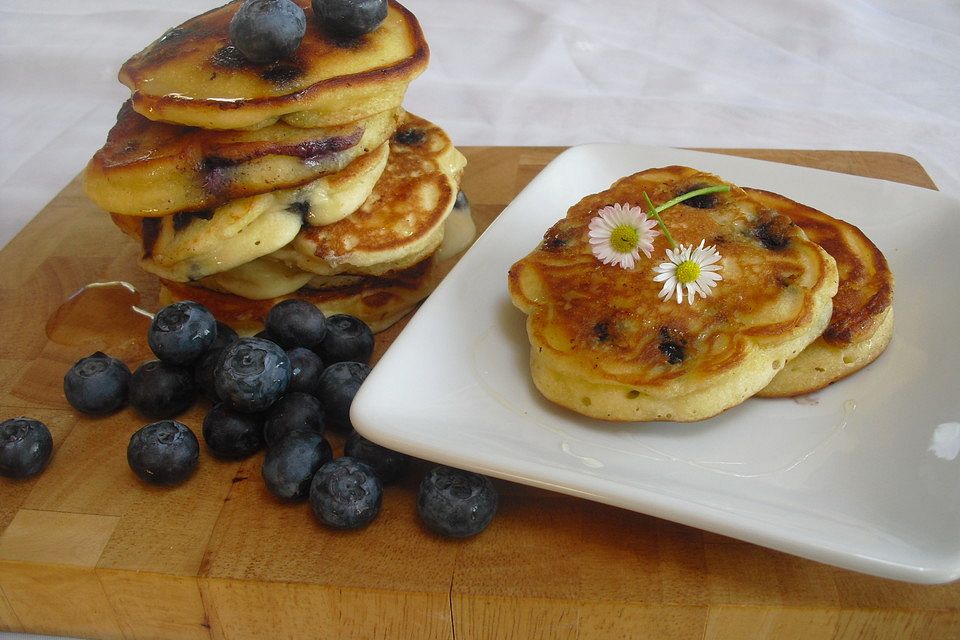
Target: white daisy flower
{"type": "Point", "coordinates": [695, 269]}
{"type": "Point", "coordinates": [619, 233]}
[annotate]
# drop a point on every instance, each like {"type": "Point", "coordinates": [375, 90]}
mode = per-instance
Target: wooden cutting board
{"type": "Point", "coordinates": [88, 550]}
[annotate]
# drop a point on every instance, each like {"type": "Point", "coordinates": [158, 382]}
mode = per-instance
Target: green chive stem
{"type": "Point", "coordinates": [656, 216]}
{"type": "Point", "coordinates": [692, 194]}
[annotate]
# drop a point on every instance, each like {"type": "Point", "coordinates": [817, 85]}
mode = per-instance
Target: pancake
{"type": "Point", "coordinates": [862, 322]}
{"type": "Point", "coordinates": [378, 301]}
{"type": "Point", "coordinates": [259, 279]}
{"type": "Point", "coordinates": [401, 222]}
{"type": "Point", "coordinates": [153, 169]}
{"type": "Point", "coordinates": [193, 76]}
{"type": "Point", "coordinates": [191, 246]}
{"type": "Point", "coordinates": [605, 345]}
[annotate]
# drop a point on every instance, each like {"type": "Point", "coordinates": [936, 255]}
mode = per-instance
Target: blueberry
{"type": "Point", "coordinates": [25, 447]}
{"type": "Point", "coordinates": [296, 323]}
{"type": "Point", "coordinates": [97, 384]}
{"type": "Point", "coordinates": [252, 374]}
{"type": "Point", "coordinates": [461, 202]}
{"type": "Point", "coordinates": [289, 466]}
{"type": "Point", "coordinates": [456, 503]}
{"type": "Point", "coordinates": [296, 411]}
{"type": "Point", "coordinates": [181, 332]}
{"type": "Point", "coordinates": [161, 390]}
{"type": "Point", "coordinates": [350, 17]}
{"type": "Point", "coordinates": [348, 339]}
{"type": "Point", "coordinates": [345, 494]}
{"type": "Point", "coordinates": [225, 337]}
{"type": "Point", "coordinates": [203, 371]}
{"type": "Point", "coordinates": [232, 434]}
{"type": "Point", "coordinates": [337, 387]}
{"type": "Point", "coordinates": [386, 463]}
{"type": "Point", "coordinates": [306, 367]}
{"type": "Point", "coordinates": [164, 452]}
{"type": "Point", "coordinates": [267, 30]}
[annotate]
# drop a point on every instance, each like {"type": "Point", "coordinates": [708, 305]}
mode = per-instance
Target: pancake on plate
{"type": "Point", "coordinates": [614, 343]}
{"type": "Point", "coordinates": [193, 75]}
{"type": "Point", "coordinates": [861, 326]}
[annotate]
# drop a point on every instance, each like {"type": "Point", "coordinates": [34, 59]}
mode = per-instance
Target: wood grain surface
{"type": "Point", "coordinates": [88, 550]}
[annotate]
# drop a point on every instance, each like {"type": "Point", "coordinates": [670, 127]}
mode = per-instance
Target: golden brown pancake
{"type": "Point", "coordinates": [605, 345]}
{"type": "Point", "coordinates": [401, 222]}
{"type": "Point", "coordinates": [862, 322]}
{"type": "Point", "coordinates": [193, 76]}
{"type": "Point", "coordinates": [378, 301]}
{"type": "Point", "coordinates": [153, 169]}
{"type": "Point", "coordinates": [190, 246]}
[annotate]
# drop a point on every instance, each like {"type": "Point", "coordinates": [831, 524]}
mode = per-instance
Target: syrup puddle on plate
{"type": "Point", "coordinates": [102, 316]}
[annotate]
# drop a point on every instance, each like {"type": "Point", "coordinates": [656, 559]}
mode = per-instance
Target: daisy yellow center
{"type": "Point", "coordinates": [624, 238]}
{"type": "Point", "coordinates": [688, 271]}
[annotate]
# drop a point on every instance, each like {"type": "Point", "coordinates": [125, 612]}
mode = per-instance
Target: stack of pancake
{"type": "Point", "coordinates": [805, 300]}
{"type": "Point", "coordinates": [247, 184]}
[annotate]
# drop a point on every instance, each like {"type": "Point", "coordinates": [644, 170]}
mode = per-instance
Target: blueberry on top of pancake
{"type": "Point", "coordinates": [193, 75]}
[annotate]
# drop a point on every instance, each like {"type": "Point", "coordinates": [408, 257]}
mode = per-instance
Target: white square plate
{"type": "Point", "coordinates": [863, 475]}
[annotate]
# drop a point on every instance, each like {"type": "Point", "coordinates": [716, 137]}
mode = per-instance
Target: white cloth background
{"type": "Point", "coordinates": [821, 74]}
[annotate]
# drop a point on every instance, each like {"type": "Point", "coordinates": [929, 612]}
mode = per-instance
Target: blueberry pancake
{"type": "Point", "coordinates": [153, 169]}
{"type": "Point", "coordinates": [605, 344]}
{"type": "Point", "coordinates": [862, 322]}
{"type": "Point", "coordinates": [189, 246]}
{"type": "Point", "coordinates": [193, 75]}
{"type": "Point", "coordinates": [377, 300]}
{"type": "Point", "coordinates": [402, 220]}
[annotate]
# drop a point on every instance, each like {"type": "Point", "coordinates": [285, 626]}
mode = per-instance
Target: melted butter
{"type": "Point", "coordinates": [459, 230]}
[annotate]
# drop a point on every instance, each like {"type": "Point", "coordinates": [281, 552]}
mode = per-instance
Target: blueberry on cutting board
{"type": "Point", "coordinates": [337, 387]}
{"type": "Point", "coordinates": [346, 494]}
{"type": "Point", "coordinates": [232, 434]}
{"type": "Point", "coordinates": [163, 453]}
{"type": "Point", "coordinates": [348, 339]}
{"type": "Point", "coordinates": [25, 447]}
{"type": "Point", "coordinates": [252, 374]}
{"type": "Point", "coordinates": [97, 384]}
{"type": "Point", "coordinates": [296, 323]}
{"type": "Point", "coordinates": [161, 390]}
{"type": "Point", "coordinates": [290, 464]}
{"type": "Point", "coordinates": [295, 411]}
{"type": "Point", "coordinates": [388, 464]}
{"type": "Point", "coordinates": [182, 332]}
{"type": "Point", "coordinates": [456, 503]}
